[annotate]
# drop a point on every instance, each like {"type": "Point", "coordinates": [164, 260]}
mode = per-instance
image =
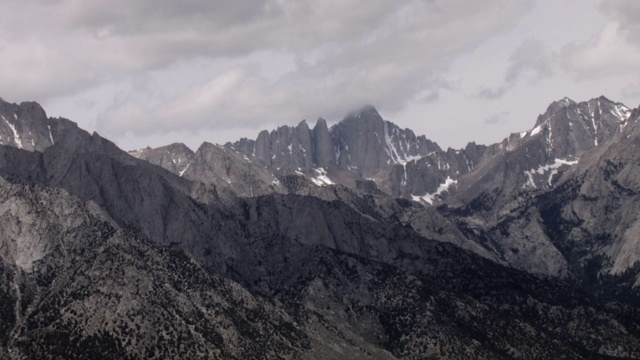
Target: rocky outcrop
{"type": "Point", "coordinates": [217, 165]}
{"type": "Point", "coordinates": [175, 157]}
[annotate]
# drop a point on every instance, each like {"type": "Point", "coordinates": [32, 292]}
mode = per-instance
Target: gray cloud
{"type": "Point", "coordinates": [487, 93]}
{"type": "Point", "coordinates": [430, 97]}
{"type": "Point", "coordinates": [531, 59]}
{"type": "Point", "coordinates": [615, 50]}
{"type": "Point", "coordinates": [627, 14]}
{"type": "Point", "coordinates": [346, 54]}
{"type": "Point", "coordinates": [497, 119]}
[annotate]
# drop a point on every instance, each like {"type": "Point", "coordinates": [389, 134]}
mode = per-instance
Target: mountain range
{"type": "Point", "coordinates": [355, 241]}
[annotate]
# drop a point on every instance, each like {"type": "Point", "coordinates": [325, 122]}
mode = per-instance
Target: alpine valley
{"type": "Point", "coordinates": [355, 241]}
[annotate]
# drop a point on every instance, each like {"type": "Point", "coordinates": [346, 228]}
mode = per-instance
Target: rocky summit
{"type": "Point", "coordinates": [359, 240]}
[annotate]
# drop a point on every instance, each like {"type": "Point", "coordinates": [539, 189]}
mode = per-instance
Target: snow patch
{"type": "Point", "coordinates": [536, 130]}
{"type": "Point", "coordinates": [622, 112]}
{"type": "Point", "coordinates": [397, 154]}
{"type": "Point", "coordinates": [16, 135]}
{"type": "Point", "coordinates": [391, 150]}
{"type": "Point", "coordinates": [50, 136]}
{"type": "Point", "coordinates": [183, 170]}
{"type": "Point", "coordinates": [410, 158]}
{"type": "Point", "coordinates": [321, 179]}
{"type": "Point", "coordinates": [595, 131]}
{"type": "Point", "coordinates": [552, 170]}
{"type": "Point", "coordinates": [428, 198]}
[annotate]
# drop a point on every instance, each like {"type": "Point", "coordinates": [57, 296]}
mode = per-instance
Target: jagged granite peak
{"type": "Point", "coordinates": [174, 157]}
{"type": "Point", "coordinates": [324, 154]}
{"type": "Point", "coordinates": [573, 128]}
{"type": "Point", "coordinates": [585, 228]}
{"type": "Point", "coordinates": [212, 164]}
{"type": "Point", "coordinates": [512, 201]}
{"type": "Point", "coordinates": [361, 144]}
{"type": "Point", "coordinates": [429, 177]}
{"type": "Point", "coordinates": [366, 143]}
{"type": "Point", "coordinates": [284, 150]}
{"type": "Point", "coordinates": [536, 159]}
{"type": "Point", "coordinates": [403, 164]}
{"type": "Point", "coordinates": [25, 126]}
{"type": "Point", "coordinates": [244, 145]}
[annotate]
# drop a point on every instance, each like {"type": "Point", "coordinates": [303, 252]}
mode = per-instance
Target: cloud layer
{"type": "Point", "coordinates": [615, 50]}
{"type": "Point", "coordinates": [342, 54]}
{"type": "Point", "coordinates": [452, 69]}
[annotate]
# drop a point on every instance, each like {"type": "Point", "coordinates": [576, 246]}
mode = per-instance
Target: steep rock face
{"type": "Point", "coordinates": [361, 143]}
{"type": "Point", "coordinates": [366, 142]}
{"type": "Point", "coordinates": [284, 150]}
{"type": "Point", "coordinates": [323, 152]}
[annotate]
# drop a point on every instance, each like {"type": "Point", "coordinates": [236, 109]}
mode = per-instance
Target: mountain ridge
{"type": "Point", "coordinates": [215, 254]}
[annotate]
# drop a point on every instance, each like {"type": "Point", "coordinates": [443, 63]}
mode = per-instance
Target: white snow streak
{"type": "Point", "coordinates": [50, 136]}
{"type": "Point", "coordinates": [557, 163]}
{"type": "Point", "coordinates": [16, 135]}
{"type": "Point", "coordinates": [536, 130]}
{"type": "Point", "coordinates": [321, 179]}
{"type": "Point", "coordinates": [595, 130]}
{"type": "Point", "coordinates": [183, 170]}
{"type": "Point", "coordinates": [442, 188]}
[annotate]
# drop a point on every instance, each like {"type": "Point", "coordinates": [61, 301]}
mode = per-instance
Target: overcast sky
{"type": "Point", "coordinates": [153, 72]}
